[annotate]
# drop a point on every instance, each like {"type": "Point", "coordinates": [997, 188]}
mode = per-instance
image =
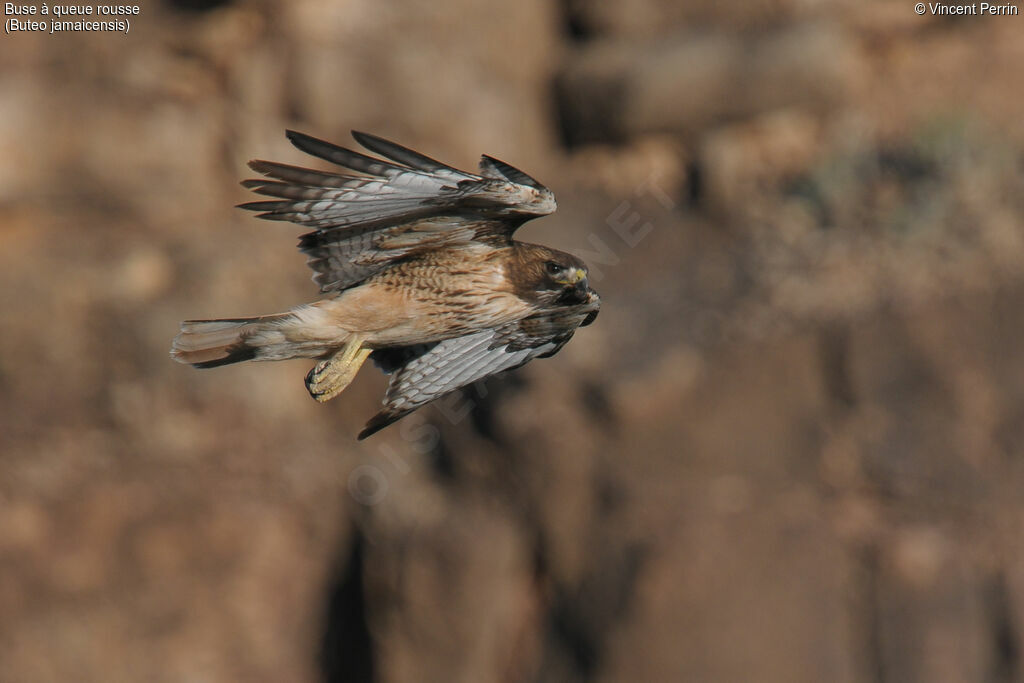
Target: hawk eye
{"type": "Point", "coordinates": [553, 268]}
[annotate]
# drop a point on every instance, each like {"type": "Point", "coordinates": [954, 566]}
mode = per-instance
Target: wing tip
{"type": "Point", "coordinates": [303, 141]}
{"type": "Point", "coordinates": [510, 172]}
{"type": "Point", "coordinates": [379, 422]}
{"type": "Point", "coordinates": [359, 136]}
{"type": "Point", "coordinates": [259, 205]}
{"type": "Point", "coordinates": [315, 146]}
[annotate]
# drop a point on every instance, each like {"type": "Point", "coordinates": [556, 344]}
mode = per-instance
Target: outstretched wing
{"type": "Point", "coordinates": [380, 210]}
{"type": "Point", "coordinates": [425, 373]}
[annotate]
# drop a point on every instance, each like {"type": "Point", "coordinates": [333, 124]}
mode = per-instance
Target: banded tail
{"type": "Point", "coordinates": [212, 343]}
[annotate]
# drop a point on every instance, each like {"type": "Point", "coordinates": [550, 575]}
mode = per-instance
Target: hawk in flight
{"type": "Point", "coordinates": [419, 272]}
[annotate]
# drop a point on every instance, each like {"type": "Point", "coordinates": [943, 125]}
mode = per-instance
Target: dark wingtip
{"type": "Point", "coordinates": [363, 138]}
{"type": "Point", "coordinates": [308, 143]}
{"type": "Point", "coordinates": [379, 422]}
{"type": "Point", "coordinates": [512, 173]}
{"type": "Point", "coordinates": [328, 151]}
{"type": "Point", "coordinates": [267, 206]}
{"type": "Point", "coordinates": [371, 428]}
{"type": "Point", "coordinates": [300, 140]}
{"type": "Point", "coordinates": [401, 154]}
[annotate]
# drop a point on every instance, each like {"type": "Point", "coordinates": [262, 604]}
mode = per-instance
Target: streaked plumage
{"type": "Point", "coordinates": [420, 273]}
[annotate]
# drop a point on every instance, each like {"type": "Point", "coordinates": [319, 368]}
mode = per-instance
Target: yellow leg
{"type": "Point", "coordinates": [329, 377]}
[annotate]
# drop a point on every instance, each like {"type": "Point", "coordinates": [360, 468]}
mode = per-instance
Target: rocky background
{"type": "Point", "coordinates": [790, 449]}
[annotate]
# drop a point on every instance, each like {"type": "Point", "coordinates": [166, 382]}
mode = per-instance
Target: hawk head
{"type": "Point", "coordinates": [548, 277]}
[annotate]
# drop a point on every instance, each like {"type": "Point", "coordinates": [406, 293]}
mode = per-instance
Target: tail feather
{"type": "Point", "coordinates": [212, 343]}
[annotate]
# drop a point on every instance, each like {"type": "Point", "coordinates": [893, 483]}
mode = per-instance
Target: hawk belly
{"type": "Point", "coordinates": [425, 300]}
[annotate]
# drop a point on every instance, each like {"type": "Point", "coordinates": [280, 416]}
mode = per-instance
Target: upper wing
{"type": "Point", "coordinates": [389, 208]}
{"type": "Point", "coordinates": [424, 373]}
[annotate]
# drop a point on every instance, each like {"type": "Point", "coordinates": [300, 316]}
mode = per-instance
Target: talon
{"type": "Point", "coordinates": [331, 376]}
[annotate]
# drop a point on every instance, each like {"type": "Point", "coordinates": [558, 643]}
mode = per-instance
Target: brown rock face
{"type": "Point", "coordinates": [789, 449]}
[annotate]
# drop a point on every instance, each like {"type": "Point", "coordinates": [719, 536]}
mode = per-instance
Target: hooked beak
{"type": "Point", "coordinates": [574, 276]}
{"type": "Point", "coordinates": [577, 286]}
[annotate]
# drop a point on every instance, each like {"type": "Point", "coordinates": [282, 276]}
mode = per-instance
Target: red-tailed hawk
{"type": "Point", "coordinates": [419, 271]}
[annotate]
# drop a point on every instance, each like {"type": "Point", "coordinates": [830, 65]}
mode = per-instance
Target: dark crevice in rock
{"type": "Point", "coordinates": [574, 21]}
{"type": "Point", "coordinates": [1005, 633]}
{"type": "Point", "coordinates": [486, 399]}
{"type": "Point", "coordinates": [834, 347]}
{"type": "Point", "coordinates": [581, 617]}
{"type": "Point", "coordinates": [868, 622]}
{"type": "Point", "coordinates": [694, 188]}
{"type": "Point", "coordinates": [442, 460]}
{"type": "Point", "coordinates": [346, 653]}
{"type": "Point", "coordinates": [581, 612]}
{"type": "Point", "coordinates": [588, 110]}
{"type": "Point", "coordinates": [595, 401]}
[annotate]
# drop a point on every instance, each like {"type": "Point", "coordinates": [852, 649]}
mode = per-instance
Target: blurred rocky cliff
{"type": "Point", "coordinates": [790, 449]}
